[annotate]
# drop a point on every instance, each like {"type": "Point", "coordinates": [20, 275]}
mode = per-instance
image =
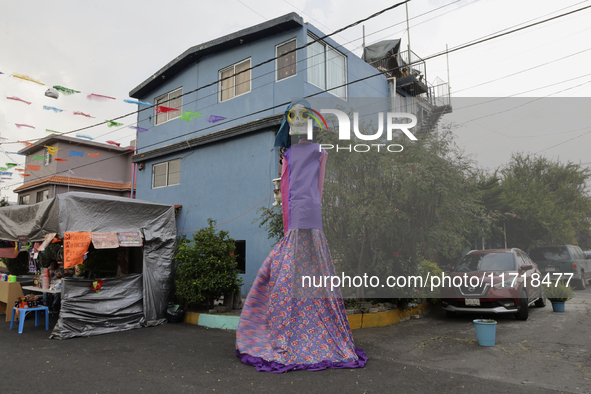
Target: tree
{"type": "Point", "coordinates": [385, 212]}
{"type": "Point", "coordinates": [549, 199]}
{"type": "Point", "coordinates": [4, 202]}
{"type": "Point", "coordinates": [206, 267]}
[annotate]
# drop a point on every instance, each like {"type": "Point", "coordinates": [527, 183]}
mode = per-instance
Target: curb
{"type": "Point", "coordinates": [362, 320]}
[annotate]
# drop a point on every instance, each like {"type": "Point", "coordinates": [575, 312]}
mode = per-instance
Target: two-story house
{"type": "Point", "coordinates": [77, 166]}
{"type": "Point", "coordinates": [220, 164]}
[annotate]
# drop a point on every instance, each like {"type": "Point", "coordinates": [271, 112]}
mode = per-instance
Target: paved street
{"type": "Point", "coordinates": [548, 353]}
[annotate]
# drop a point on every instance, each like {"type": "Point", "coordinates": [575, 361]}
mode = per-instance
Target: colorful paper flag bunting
{"type": "Point", "coordinates": [19, 169]}
{"type": "Point", "coordinates": [53, 131]}
{"type": "Point", "coordinates": [26, 78]}
{"type": "Point", "coordinates": [82, 114]}
{"type": "Point", "coordinates": [53, 109]}
{"type": "Point", "coordinates": [94, 154]}
{"type": "Point", "coordinates": [11, 165]}
{"type": "Point", "coordinates": [99, 97]}
{"type": "Point", "coordinates": [65, 91]}
{"type": "Point", "coordinates": [137, 102]}
{"type": "Point", "coordinates": [31, 167]}
{"type": "Point", "coordinates": [17, 99]}
{"type": "Point", "coordinates": [6, 173]}
{"type": "Point", "coordinates": [26, 143]}
{"type": "Point", "coordinates": [214, 118]}
{"type": "Point", "coordinates": [59, 160]}
{"type": "Point", "coordinates": [3, 168]}
{"type": "Point", "coordinates": [113, 143]}
{"type": "Point", "coordinates": [19, 125]}
{"type": "Point", "coordinates": [15, 153]}
{"type": "Point", "coordinates": [35, 157]}
{"type": "Point", "coordinates": [140, 129]}
{"type": "Point", "coordinates": [112, 123]}
{"type": "Point", "coordinates": [162, 109]}
{"type": "Point", "coordinates": [52, 150]}
{"type": "Point", "coordinates": [76, 153]}
{"type": "Point", "coordinates": [6, 177]}
{"type": "Point", "coordinates": [24, 175]}
{"type": "Point", "coordinates": [84, 136]}
{"type": "Point", "coordinates": [190, 115]}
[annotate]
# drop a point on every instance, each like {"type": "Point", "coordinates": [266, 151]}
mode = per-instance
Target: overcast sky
{"type": "Point", "coordinates": [109, 47]}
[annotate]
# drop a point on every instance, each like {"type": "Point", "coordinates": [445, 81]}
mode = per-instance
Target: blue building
{"type": "Point", "coordinates": [221, 169]}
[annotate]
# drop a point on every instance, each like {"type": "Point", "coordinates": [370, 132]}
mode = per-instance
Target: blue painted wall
{"type": "Point", "coordinates": [225, 179]}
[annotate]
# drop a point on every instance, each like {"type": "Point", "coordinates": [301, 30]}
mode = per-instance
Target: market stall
{"type": "Point", "coordinates": [83, 219]}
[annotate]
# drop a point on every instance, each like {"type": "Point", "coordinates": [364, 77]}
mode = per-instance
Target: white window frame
{"type": "Point", "coordinates": [277, 79]}
{"type": "Point", "coordinates": [170, 115]}
{"type": "Point", "coordinates": [42, 195]}
{"type": "Point", "coordinates": [166, 163]}
{"type": "Point", "coordinates": [47, 160]}
{"type": "Point", "coordinates": [326, 70]}
{"type": "Point", "coordinates": [234, 76]}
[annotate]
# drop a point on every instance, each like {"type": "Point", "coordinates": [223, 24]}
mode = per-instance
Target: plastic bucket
{"type": "Point", "coordinates": [485, 332]}
{"type": "Point", "coordinates": [12, 278]}
{"type": "Point", "coordinates": [558, 306]}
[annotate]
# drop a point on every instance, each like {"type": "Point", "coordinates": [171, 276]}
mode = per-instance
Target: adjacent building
{"type": "Point", "coordinates": [77, 166]}
{"type": "Point", "coordinates": [212, 153]}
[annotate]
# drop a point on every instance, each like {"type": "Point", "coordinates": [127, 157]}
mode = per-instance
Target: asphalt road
{"type": "Point", "coordinates": [549, 353]}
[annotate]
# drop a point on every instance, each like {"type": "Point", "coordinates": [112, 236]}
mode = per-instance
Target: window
{"type": "Point", "coordinates": [238, 81]}
{"type": "Point", "coordinates": [47, 157]}
{"type": "Point", "coordinates": [23, 200]}
{"type": "Point", "coordinates": [326, 67]}
{"type": "Point", "coordinates": [240, 253]}
{"type": "Point", "coordinates": [286, 64]}
{"type": "Point", "coordinates": [166, 174]}
{"type": "Point", "coordinates": [43, 195]}
{"type": "Point", "coordinates": [172, 99]}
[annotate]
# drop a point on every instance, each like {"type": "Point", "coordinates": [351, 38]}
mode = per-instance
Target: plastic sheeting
{"type": "Point", "coordinates": [116, 307]}
{"type": "Point", "coordinates": [75, 212]}
{"type": "Point", "coordinates": [383, 55]}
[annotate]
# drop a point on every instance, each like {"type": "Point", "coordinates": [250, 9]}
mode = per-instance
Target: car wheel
{"type": "Point", "coordinates": [450, 314]}
{"type": "Point", "coordinates": [523, 307]}
{"type": "Point", "coordinates": [541, 302]}
{"type": "Point", "coordinates": [582, 282]}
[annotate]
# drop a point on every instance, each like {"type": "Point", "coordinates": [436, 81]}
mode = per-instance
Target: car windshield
{"type": "Point", "coordinates": [487, 262]}
{"type": "Point", "coordinates": [552, 253]}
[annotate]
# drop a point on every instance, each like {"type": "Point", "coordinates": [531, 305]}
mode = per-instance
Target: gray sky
{"type": "Point", "coordinates": [109, 47]}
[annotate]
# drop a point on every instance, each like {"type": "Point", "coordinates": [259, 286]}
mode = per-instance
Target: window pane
{"type": "Point", "coordinates": [174, 172]}
{"type": "Point", "coordinates": [243, 79]}
{"type": "Point", "coordinates": [159, 175]}
{"type": "Point", "coordinates": [227, 85]}
{"type": "Point", "coordinates": [316, 71]}
{"type": "Point", "coordinates": [162, 100]}
{"type": "Point", "coordinates": [175, 101]}
{"type": "Point", "coordinates": [286, 65]}
{"type": "Point", "coordinates": [335, 69]}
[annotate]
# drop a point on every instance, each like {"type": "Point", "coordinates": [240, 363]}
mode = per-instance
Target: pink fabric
{"type": "Point", "coordinates": [285, 195]}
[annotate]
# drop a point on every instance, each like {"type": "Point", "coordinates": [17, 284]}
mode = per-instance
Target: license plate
{"type": "Point", "coordinates": [550, 269]}
{"type": "Point", "coordinates": [473, 301]}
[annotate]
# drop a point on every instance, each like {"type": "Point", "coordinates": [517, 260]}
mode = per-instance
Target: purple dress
{"type": "Point", "coordinates": [284, 325]}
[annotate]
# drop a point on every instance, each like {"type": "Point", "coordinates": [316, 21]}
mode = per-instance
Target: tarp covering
{"type": "Point", "coordinates": [383, 55]}
{"type": "Point", "coordinates": [116, 307]}
{"type": "Point", "coordinates": [77, 212]}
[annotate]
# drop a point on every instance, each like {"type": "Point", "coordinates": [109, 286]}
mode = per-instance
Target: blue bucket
{"type": "Point", "coordinates": [558, 306]}
{"type": "Point", "coordinates": [485, 332]}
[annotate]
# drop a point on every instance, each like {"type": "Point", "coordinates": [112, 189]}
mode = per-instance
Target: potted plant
{"type": "Point", "coordinates": [485, 331]}
{"type": "Point", "coordinates": [558, 293]}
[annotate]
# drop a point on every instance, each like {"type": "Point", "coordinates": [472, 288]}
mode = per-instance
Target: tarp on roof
{"type": "Point", "coordinates": [384, 55]}
{"type": "Point", "coordinates": [87, 212]}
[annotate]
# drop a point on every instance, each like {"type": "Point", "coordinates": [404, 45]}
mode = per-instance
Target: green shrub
{"type": "Point", "coordinates": [558, 292]}
{"type": "Point", "coordinates": [206, 267]}
{"type": "Point", "coordinates": [18, 265]}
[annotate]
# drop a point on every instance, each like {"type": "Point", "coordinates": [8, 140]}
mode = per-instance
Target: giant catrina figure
{"type": "Point", "coordinates": [284, 325]}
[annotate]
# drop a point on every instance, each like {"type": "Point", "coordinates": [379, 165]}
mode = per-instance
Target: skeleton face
{"type": "Point", "coordinates": [297, 117]}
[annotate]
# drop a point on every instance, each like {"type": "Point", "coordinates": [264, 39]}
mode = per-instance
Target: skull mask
{"type": "Point", "coordinates": [297, 117]}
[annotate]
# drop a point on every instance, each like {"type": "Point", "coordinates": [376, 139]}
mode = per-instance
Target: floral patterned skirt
{"type": "Point", "coordinates": [289, 323]}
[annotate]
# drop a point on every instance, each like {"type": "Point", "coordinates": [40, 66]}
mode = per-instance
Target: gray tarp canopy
{"type": "Point", "coordinates": [86, 212]}
{"type": "Point", "coordinates": [383, 54]}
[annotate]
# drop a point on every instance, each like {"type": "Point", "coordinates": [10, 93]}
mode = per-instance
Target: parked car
{"type": "Point", "coordinates": [494, 281]}
{"type": "Point", "coordinates": [565, 259]}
